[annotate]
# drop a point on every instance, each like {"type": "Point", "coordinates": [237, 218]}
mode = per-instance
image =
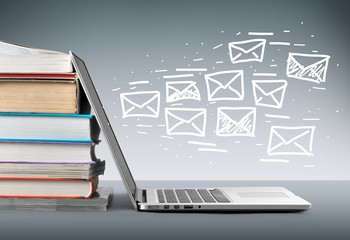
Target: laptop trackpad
{"type": "Point", "coordinates": [262, 195]}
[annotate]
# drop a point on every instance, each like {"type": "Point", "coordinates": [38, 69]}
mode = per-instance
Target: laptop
{"type": "Point", "coordinates": [214, 199]}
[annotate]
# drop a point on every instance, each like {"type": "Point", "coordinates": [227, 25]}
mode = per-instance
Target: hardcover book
{"type": "Point", "coordinates": [15, 187]}
{"type": "Point", "coordinates": [98, 202]}
{"type": "Point", "coordinates": [55, 127]}
{"type": "Point", "coordinates": [20, 59]}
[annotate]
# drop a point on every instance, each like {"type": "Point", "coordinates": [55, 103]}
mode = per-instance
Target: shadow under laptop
{"type": "Point", "coordinates": [122, 201]}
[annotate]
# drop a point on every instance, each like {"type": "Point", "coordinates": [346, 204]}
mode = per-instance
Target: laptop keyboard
{"type": "Point", "coordinates": [191, 196]}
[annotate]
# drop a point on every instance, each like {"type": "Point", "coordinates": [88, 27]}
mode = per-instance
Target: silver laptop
{"type": "Point", "coordinates": [186, 199]}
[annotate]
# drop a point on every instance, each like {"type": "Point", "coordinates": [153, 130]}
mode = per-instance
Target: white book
{"type": "Point", "coordinates": [46, 152]}
{"type": "Point", "coordinates": [52, 170]}
{"type": "Point", "coordinates": [48, 127]}
{"type": "Point", "coordinates": [20, 59]}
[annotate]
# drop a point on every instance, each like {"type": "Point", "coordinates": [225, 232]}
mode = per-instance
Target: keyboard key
{"type": "Point", "coordinates": [206, 196]}
{"type": "Point", "coordinates": [160, 194]}
{"type": "Point", "coordinates": [219, 196]}
{"type": "Point", "coordinates": [182, 196]}
{"type": "Point", "coordinates": [195, 198]}
{"type": "Point", "coordinates": [170, 196]}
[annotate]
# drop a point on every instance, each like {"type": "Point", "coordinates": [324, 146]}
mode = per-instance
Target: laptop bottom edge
{"type": "Point", "coordinates": [234, 199]}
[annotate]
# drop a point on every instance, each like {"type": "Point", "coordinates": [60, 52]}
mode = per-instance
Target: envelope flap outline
{"type": "Point", "coordinates": [307, 130]}
{"type": "Point", "coordinates": [250, 111]}
{"type": "Point", "coordinates": [240, 45]}
{"type": "Point", "coordinates": [176, 128]}
{"type": "Point", "coordinates": [244, 126]}
{"type": "Point", "coordinates": [154, 95]}
{"type": "Point", "coordinates": [236, 75]}
{"type": "Point", "coordinates": [267, 93]}
{"type": "Point", "coordinates": [292, 57]}
{"type": "Point", "coordinates": [188, 121]}
{"type": "Point", "coordinates": [239, 123]}
{"type": "Point", "coordinates": [190, 84]}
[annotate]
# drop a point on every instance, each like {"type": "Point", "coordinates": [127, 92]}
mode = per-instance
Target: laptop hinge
{"type": "Point", "coordinates": [141, 195]}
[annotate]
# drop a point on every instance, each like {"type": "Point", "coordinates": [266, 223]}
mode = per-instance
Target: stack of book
{"type": "Point", "coordinates": [47, 135]}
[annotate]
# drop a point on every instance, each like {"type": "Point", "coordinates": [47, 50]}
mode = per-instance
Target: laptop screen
{"type": "Point", "coordinates": [104, 123]}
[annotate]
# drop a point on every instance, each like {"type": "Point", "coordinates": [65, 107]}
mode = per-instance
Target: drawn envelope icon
{"type": "Point", "coordinates": [182, 90]}
{"type": "Point", "coordinates": [247, 51]}
{"type": "Point", "coordinates": [225, 85]}
{"type": "Point", "coordinates": [186, 121]}
{"type": "Point", "coordinates": [140, 104]}
{"type": "Point", "coordinates": [269, 93]}
{"type": "Point", "coordinates": [291, 140]}
{"type": "Point", "coordinates": [236, 121]}
{"type": "Point", "coordinates": [308, 67]}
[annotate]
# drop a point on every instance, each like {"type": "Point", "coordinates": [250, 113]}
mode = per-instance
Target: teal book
{"type": "Point", "coordinates": [48, 127]}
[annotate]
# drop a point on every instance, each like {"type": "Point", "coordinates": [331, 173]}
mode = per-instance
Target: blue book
{"type": "Point", "coordinates": [48, 127]}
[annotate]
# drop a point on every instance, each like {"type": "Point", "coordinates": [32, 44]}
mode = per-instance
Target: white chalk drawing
{"type": "Point", "coordinates": [144, 133]}
{"type": "Point", "coordinates": [168, 137]}
{"type": "Point", "coordinates": [182, 90]}
{"type": "Point", "coordinates": [178, 76]}
{"type": "Point", "coordinates": [217, 46]}
{"type": "Point", "coordinates": [269, 93]}
{"type": "Point", "coordinates": [144, 126]}
{"type": "Point", "coordinates": [160, 70]}
{"type": "Point", "coordinates": [212, 150]}
{"type": "Point", "coordinates": [268, 160]}
{"type": "Point", "coordinates": [279, 43]}
{"type": "Point", "coordinates": [260, 33]}
{"type": "Point", "coordinates": [299, 44]}
{"type": "Point", "coordinates": [186, 121]}
{"type": "Point", "coordinates": [319, 88]}
{"type": "Point", "coordinates": [202, 143]}
{"type": "Point", "coordinates": [291, 140]}
{"type": "Point", "coordinates": [138, 82]}
{"type": "Point", "coordinates": [140, 104]}
{"type": "Point", "coordinates": [247, 51]}
{"type": "Point", "coordinates": [228, 85]}
{"type": "Point", "coordinates": [264, 74]}
{"type": "Point", "coordinates": [176, 104]}
{"type": "Point", "coordinates": [236, 121]}
{"type": "Point", "coordinates": [225, 85]}
{"type": "Point", "coordinates": [191, 69]}
{"type": "Point", "coordinates": [277, 116]}
{"type": "Point", "coordinates": [198, 59]}
{"type": "Point", "coordinates": [308, 67]}
{"type": "Point", "coordinates": [311, 119]}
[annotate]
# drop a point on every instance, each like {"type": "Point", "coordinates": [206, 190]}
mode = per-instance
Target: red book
{"type": "Point", "coordinates": [38, 76]}
{"type": "Point", "coordinates": [47, 187]}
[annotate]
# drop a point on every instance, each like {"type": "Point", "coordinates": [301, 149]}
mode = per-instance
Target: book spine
{"type": "Point", "coordinates": [93, 186]}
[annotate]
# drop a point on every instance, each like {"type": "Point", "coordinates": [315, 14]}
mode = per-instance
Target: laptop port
{"type": "Point", "coordinates": [153, 207]}
{"type": "Point", "coordinates": [188, 207]}
{"type": "Point", "coordinates": [166, 206]}
{"type": "Point", "coordinates": [176, 206]}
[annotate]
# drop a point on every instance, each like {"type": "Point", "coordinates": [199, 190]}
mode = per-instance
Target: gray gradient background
{"type": "Point", "coordinates": [124, 41]}
{"type": "Point", "coordinates": [328, 218]}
